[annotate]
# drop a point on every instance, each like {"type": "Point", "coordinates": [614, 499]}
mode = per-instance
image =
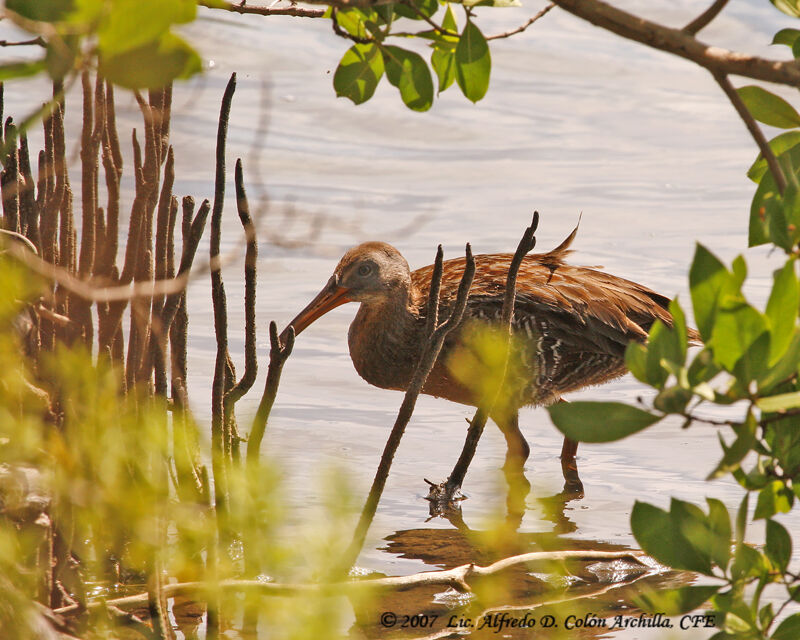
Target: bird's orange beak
{"type": "Point", "coordinates": [329, 298]}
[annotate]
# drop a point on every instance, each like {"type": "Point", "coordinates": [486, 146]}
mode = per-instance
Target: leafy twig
{"type": "Point", "coordinates": [436, 27]}
{"type": "Point", "coordinates": [337, 29]}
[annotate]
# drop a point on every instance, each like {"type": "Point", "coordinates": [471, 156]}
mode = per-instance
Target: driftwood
{"type": "Point", "coordinates": [457, 578]}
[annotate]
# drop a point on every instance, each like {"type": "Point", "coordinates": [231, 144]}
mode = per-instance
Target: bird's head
{"type": "Point", "coordinates": [371, 273]}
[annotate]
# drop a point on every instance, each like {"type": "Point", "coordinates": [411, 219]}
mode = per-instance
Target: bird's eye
{"type": "Point", "coordinates": [364, 270]}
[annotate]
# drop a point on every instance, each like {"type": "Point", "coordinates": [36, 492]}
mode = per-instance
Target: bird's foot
{"type": "Point", "coordinates": [444, 495]}
{"type": "Point", "coordinates": [573, 486]}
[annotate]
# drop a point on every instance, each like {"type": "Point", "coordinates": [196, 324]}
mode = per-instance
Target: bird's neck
{"type": "Point", "coordinates": [385, 338]}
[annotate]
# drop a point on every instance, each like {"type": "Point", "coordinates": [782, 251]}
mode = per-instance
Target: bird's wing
{"type": "Point", "coordinates": [586, 309]}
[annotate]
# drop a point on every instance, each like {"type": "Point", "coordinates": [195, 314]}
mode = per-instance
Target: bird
{"type": "Point", "coordinates": [570, 327]}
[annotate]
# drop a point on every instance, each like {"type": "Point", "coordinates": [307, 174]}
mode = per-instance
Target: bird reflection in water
{"type": "Point", "coordinates": [602, 590]}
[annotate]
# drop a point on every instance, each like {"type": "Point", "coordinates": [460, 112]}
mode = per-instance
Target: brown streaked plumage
{"type": "Point", "coordinates": [571, 324]}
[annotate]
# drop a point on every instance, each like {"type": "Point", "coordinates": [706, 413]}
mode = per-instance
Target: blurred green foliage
{"type": "Point", "coordinates": [97, 464]}
{"type": "Point", "coordinates": [749, 361]}
{"type": "Point", "coordinates": [132, 41]}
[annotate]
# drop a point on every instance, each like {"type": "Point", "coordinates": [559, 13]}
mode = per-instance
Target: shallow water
{"type": "Point", "coordinates": [644, 145]}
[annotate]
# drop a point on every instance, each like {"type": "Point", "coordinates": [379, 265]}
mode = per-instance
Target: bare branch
{"type": "Point", "coordinates": [39, 41]}
{"type": "Point", "coordinates": [705, 18]}
{"type": "Point", "coordinates": [278, 355]}
{"type": "Point", "coordinates": [251, 256]}
{"type": "Point", "coordinates": [685, 45]}
{"type": "Point", "coordinates": [298, 12]}
{"type": "Point", "coordinates": [88, 291]}
{"type": "Point", "coordinates": [219, 426]}
{"type": "Point", "coordinates": [754, 129]}
{"type": "Point", "coordinates": [523, 26]}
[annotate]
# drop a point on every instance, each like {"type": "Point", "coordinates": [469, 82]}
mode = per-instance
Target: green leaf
{"type": "Point", "coordinates": [781, 311]}
{"type": "Point", "coordinates": [636, 361]}
{"type": "Point", "coordinates": [60, 58]}
{"type": "Point", "coordinates": [741, 519]}
{"type": "Point", "coordinates": [766, 615]}
{"type": "Point", "coordinates": [791, 214]}
{"type": "Point", "coordinates": [666, 343]}
{"type": "Point", "coordinates": [443, 61]}
{"type": "Point", "coordinates": [41, 10]}
{"type": "Point", "coordinates": [133, 23]}
{"type": "Point", "coordinates": [777, 222]}
{"type": "Point", "coordinates": [359, 72]}
{"type": "Point", "coordinates": [662, 535]}
{"type": "Point", "coordinates": [765, 198]}
{"type": "Point", "coordinates": [707, 278]}
{"type": "Point", "coordinates": [754, 362]}
{"type": "Point", "coordinates": [779, 545]}
{"type": "Point", "coordinates": [747, 562]}
{"type": "Point", "coordinates": [674, 602]}
{"type": "Point", "coordinates": [768, 108]}
{"type": "Point", "coordinates": [755, 479]}
{"type": "Point", "coordinates": [424, 8]}
{"type": "Point", "coordinates": [772, 499]}
{"type": "Point", "coordinates": [443, 57]}
{"type": "Point", "coordinates": [449, 22]}
{"type": "Point", "coordinates": [408, 72]}
{"type": "Point", "coordinates": [695, 527]}
{"type": "Point", "coordinates": [702, 368]}
{"type": "Point", "coordinates": [789, 629]}
{"type": "Point", "coordinates": [15, 70]}
{"type": "Point", "coordinates": [360, 23]}
{"type": "Point", "coordinates": [781, 402]}
{"type": "Point", "coordinates": [720, 526]}
{"type": "Point", "coordinates": [740, 339]}
{"type": "Point", "coordinates": [672, 399]}
{"type": "Point", "coordinates": [679, 329]}
{"type": "Point", "coordinates": [780, 144]}
{"type": "Point", "coordinates": [473, 63]}
{"type": "Point", "coordinates": [152, 65]}
{"type": "Point", "coordinates": [599, 421]}
{"type": "Point", "coordinates": [351, 20]}
{"type": "Point", "coordinates": [783, 438]}
{"type": "Point", "coordinates": [789, 7]}
{"type": "Point", "coordinates": [783, 368]}
{"type": "Point", "coordinates": [786, 36]}
{"type": "Point", "coordinates": [734, 454]}
{"type": "Point", "coordinates": [385, 12]}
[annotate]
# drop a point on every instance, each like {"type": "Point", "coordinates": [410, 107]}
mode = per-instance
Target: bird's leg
{"type": "Point", "coordinates": [518, 450]}
{"type": "Point", "coordinates": [569, 465]}
{"type": "Point", "coordinates": [450, 490]}
{"type": "Point", "coordinates": [517, 454]}
{"type": "Point", "coordinates": [514, 468]}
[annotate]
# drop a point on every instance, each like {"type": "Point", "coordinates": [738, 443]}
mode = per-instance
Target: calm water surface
{"type": "Point", "coordinates": [644, 145]}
